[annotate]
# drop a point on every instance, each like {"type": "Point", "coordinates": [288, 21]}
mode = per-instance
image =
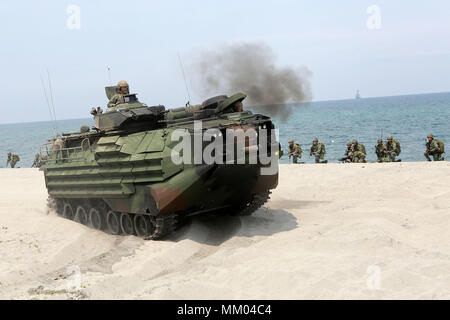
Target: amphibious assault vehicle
{"type": "Point", "coordinates": [120, 177]}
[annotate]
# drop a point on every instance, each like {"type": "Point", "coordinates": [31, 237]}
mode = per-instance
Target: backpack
{"type": "Point", "coordinates": [363, 149]}
{"type": "Point", "coordinates": [322, 153]}
{"type": "Point", "coordinates": [398, 149]}
{"type": "Point", "coordinates": [441, 145]}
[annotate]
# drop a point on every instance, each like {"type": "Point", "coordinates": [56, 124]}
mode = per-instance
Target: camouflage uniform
{"type": "Point", "coordinates": [8, 160]}
{"type": "Point", "coordinates": [391, 149]}
{"type": "Point", "coordinates": [295, 151]}
{"type": "Point", "coordinates": [14, 159]}
{"type": "Point", "coordinates": [118, 97]}
{"type": "Point", "coordinates": [359, 152]}
{"type": "Point", "coordinates": [115, 100]}
{"type": "Point", "coordinates": [317, 150]}
{"type": "Point", "coordinates": [433, 149]}
{"type": "Point", "coordinates": [380, 150]}
{"type": "Point", "coordinates": [37, 161]}
{"type": "Point", "coordinates": [238, 106]}
{"type": "Point", "coordinates": [348, 153]}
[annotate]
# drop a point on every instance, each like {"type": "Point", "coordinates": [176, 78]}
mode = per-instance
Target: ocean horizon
{"type": "Point", "coordinates": [409, 118]}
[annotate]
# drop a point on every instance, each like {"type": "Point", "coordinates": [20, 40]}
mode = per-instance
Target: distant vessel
{"type": "Point", "coordinates": [358, 96]}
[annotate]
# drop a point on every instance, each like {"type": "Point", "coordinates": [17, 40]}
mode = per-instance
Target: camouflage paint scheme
{"type": "Point", "coordinates": [126, 162]}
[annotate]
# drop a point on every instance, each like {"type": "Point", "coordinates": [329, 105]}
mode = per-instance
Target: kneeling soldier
{"type": "Point", "coordinates": [359, 152]}
{"type": "Point", "coordinates": [435, 148]}
{"type": "Point", "coordinates": [295, 151]}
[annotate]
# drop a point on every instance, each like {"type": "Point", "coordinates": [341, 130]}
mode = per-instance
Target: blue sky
{"type": "Point", "coordinates": [139, 40]}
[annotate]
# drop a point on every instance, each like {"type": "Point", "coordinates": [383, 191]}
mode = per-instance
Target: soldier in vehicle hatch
{"type": "Point", "coordinates": [118, 97]}
{"type": "Point", "coordinates": [235, 107]}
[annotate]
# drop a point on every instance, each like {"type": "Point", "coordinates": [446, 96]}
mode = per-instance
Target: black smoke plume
{"type": "Point", "coordinates": [250, 68]}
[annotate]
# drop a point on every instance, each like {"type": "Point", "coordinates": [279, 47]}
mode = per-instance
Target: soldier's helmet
{"type": "Point", "coordinates": [122, 83]}
{"type": "Point", "coordinates": [291, 141]}
{"type": "Point", "coordinates": [390, 138]}
{"type": "Point", "coordinates": [349, 143]}
{"type": "Point", "coordinates": [380, 141]}
{"type": "Point", "coordinates": [84, 128]}
{"type": "Point", "coordinates": [431, 136]}
{"type": "Point", "coordinates": [316, 140]}
{"type": "Point", "coordinates": [355, 141]}
{"type": "Point", "coordinates": [9, 153]}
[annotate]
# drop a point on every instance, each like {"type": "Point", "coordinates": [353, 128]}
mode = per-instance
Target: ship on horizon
{"type": "Point", "coordinates": [357, 96]}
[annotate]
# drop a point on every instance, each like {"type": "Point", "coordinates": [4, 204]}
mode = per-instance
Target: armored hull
{"type": "Point", "coordinates": [122, 178]}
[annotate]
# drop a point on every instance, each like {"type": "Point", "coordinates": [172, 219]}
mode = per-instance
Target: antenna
{"type": "Point", "coordinates": [51, 99]}
{"type": "Point", "coordinates": [109, 76]}
{"type": "Point", "coordinates": [184, 77]}
{"type": "Point", "coordinates": [48, 104]}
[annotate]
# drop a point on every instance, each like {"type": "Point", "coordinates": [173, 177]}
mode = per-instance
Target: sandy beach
{"type": "Point", "coordinates": [336, 231]}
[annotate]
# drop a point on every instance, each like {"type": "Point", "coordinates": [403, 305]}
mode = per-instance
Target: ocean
{"type": "Point", "coordinates": [408, 118]}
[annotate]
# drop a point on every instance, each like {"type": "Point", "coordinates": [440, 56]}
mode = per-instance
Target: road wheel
{"type": "Point", "coordinates": [96, 219]}
{"type": "Point", "coordinates": [127, 224]}
{"type": "Point", "coordinates": [68, 212]}
{"type": "Point", "coordinates": [143, 225]}
{"type": "Point", "coordinates": [113, 222]}
{"type": "Point", "coordinates": [81, 215]}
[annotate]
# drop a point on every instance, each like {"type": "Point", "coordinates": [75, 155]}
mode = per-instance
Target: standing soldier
{"type": "Point", "coordinates": [318, 151]}
{"type": "Point", "coordinates": [118, 97]}
{"type": "Point", "coordinates": [359, 152]}
{"type": "Point", "coordinates": [37, 161]}
{"type": "Point", "coordinates": [380, 150]}
{"type": "Point", "coordinates": [392, 149]}
{"type": "Point", "coordinates": [295, 151]}
{"type": "Point", "coordinates": [435, 148]}
{"type": "Point", "coordinates": [8, 160]}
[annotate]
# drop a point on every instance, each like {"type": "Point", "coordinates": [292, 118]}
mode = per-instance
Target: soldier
{"type": "Point", "coordinates": [318, 151]}
{"type": "Point", "coordinates": [14, 159]}
{"type": "Point", "coordinates": [238, 106]}
{"type": "Point", "coordinates": [359, 152]}
{"type": "Point", "coordinates": [295, 151]}
{"type": "Point", "coordinates": [348, 153]}
{"type": "Point", "coordinates": [392, 149]}
{"type": "Point", "coordinates": [380, 150]}
{"type": "Point", "coordinates": [435, 148]}
{"type": "Point", "coordinates": [37, 161]}
{"type": "Point", "coordinates": [8, 160]}
{"type": "Point", "coordinates": [118, 97]}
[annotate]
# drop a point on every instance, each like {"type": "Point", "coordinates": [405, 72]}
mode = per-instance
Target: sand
{"type": "Point", "coordinates": [336, 231]}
